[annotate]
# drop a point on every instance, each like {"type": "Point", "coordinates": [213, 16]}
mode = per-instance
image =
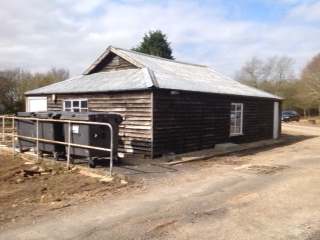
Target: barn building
{"type": "Point", "coordinates": [167, 105]}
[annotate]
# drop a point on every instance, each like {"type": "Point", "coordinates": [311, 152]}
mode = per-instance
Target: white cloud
{"type": "Point", "coordinates": [306, 12]}
{"type": "Point", "coordinates": [72, 34]}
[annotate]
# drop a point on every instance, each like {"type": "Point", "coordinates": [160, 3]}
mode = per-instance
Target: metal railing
{"type": "Point", "coordinates": [68, 143]}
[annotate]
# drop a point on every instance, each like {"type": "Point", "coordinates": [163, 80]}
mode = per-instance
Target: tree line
{"type": "Point", "coordinates": [15, 82]}
{"type": "Point", "coordinates": [276, 75]}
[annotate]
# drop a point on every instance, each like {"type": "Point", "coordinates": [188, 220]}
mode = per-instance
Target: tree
{"type": "Point", "coordinates": [274, 75]}
{"type": "Point", "coordinates": [11, 97]}
{"type": "Point", "coordinates": [38, 80]}
{"type": "Point", "coordinates": [310, 78]}
{"type": "Point", "coordinates": [269, 75]}
{"type": "Point", "coordinates": [155, 43]}
{"type": "Point", "coordinates": [15, 82]}
{"type": "Point", "coordinates": [305, 102]}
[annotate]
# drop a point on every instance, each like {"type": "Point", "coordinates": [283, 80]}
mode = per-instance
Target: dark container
{"type": "Point", "coordinates": [51, 131]}
{"type": "Point", "coordinates": [26, 128]}
{"type": "Point", "coordinates": [92, 135]}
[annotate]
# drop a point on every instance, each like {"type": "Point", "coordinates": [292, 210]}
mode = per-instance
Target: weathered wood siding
{"type": "Point", "coordinates": [257, 120]}
{"type": "Point", "coordinates": [113, 63]}
{"type": "Point", "coordinates": [135, 107]}
{"type": "Point", "coordinates": [159, 122]}
{"type": "Point", "coordinates": [194, 121]}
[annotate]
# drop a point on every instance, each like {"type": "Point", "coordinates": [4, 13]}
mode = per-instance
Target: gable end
{"type": "Point", "coordinates": [112, 62]}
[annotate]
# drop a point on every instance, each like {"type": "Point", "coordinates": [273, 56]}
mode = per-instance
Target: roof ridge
{"type": "Point", "coordinates": [157, 57]}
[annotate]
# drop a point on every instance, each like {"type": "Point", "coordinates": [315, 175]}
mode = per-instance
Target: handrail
{"type": "Point", "coordinates": [3, 127]}
{"type": "Point", "coordinates": [68, 143]}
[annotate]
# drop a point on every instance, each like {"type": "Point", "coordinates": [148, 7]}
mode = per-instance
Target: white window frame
{"type": "Point", "coordinates": [73, 108]}
{"type": "Point", "coordinates": [236, 127]}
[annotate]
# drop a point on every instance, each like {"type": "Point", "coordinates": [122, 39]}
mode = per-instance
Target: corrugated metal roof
{"type": "Point", "coordinates": [131, 79]}
{"type": "Point", "coordinates": [158, 72]}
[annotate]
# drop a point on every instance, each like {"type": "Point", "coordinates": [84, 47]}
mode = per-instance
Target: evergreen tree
{"type": "Point", "coordinates": [155, 43]}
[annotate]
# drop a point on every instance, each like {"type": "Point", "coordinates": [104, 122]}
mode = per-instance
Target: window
{"type": "Point", "coordinates": [76, 105]}
{"type": "Point", "coordinates": [236, 118]}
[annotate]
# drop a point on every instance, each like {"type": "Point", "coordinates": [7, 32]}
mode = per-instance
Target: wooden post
{"type": "Point", "coordinates": [3, 125]}
{"type": "Point", "coordinates": [13, 136]}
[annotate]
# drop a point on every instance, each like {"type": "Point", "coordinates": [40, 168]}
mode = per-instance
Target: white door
{"type": "Point", "coordinates": [276, 120]}
{"type": "Point", "coordinates": [36, 104]}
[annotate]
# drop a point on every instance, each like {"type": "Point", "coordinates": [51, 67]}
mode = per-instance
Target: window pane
{"type": "Point", "coordinates": [67, 104]}
{"type": "Point", "coordinates": [84, 104]}
{"type": "Point", "coordinates": [76, 109]}
{"type": "Point", "coordinates": [236, 118]}
{"type": "Point", "coordinates": [75, 104]}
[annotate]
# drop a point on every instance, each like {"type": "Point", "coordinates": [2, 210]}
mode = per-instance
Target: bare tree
{"type": "Point", "coordinates": [311, 78]}
{"type": "Point", "coordinates": [274, 75]}
{"type": "Point", "coordinates": [282, 71]}
{"type": "Point", "coordinates": [251, 73]}
{"type": "Point", "coordinates": [306, 103]}
{"type": "Point", "coordinates": [268, 75]}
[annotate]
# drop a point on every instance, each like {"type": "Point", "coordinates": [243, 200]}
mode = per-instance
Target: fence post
{"type": "Point", "coordinates": [69, 147]}
{"type": "Point", "coordinates": [3, 132]}
{"type": "Point", "coordinates": [111, 152]}
{"type": "Point", "coordinates": [13, 136]}
{"type": "Point", "coordinates": [68, 143]}
{"type": "Point", "coordinates": [37, 142]}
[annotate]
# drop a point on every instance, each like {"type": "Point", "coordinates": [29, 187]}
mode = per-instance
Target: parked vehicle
{"type": "Point", "coordinates": [290, 115]}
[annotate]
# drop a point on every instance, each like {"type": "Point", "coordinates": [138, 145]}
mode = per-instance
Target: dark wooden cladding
{"type": "Point", "coordinates": [158, 122]}
{"type": "Point", "coordinates": [113, 63]}
{"type": "Point", "coordinates": [135, 132]}
{"type": "Point", "coordinates": [194, 121]}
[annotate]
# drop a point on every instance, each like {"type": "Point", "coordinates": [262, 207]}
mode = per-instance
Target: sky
{"type": "Point", "coordinates": [36, 35]}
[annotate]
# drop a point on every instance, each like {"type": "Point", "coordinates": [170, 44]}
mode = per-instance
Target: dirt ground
{"type": "Point", "coordinates": [31, 191]}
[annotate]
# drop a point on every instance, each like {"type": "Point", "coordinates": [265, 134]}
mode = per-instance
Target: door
{"type": "Point", "coordinates": [276, 119]}
{"type": "Point", "coordinates": [36, 104]}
